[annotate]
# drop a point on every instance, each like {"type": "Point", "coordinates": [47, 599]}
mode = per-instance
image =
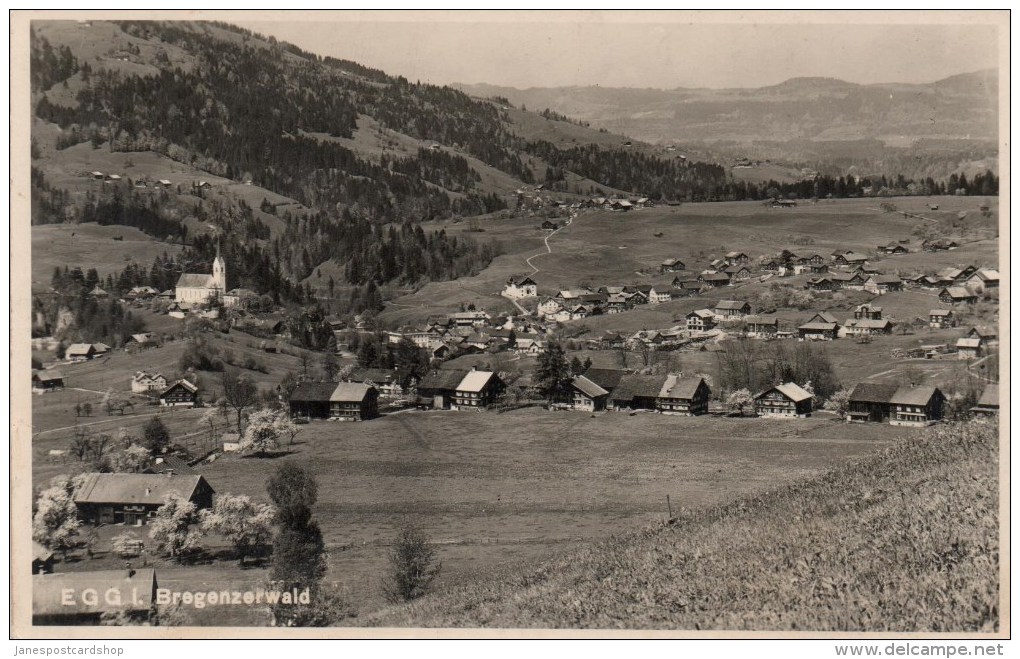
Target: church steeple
{"type": "Point", "coordinates": [219, 271]}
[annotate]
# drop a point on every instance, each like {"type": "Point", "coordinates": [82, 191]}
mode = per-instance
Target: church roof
{"type": "Point", "coordinates": [192, 280]}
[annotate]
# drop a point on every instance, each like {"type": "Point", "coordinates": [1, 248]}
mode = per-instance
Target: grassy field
{"type": "Point", "coordinates": [902, 540]}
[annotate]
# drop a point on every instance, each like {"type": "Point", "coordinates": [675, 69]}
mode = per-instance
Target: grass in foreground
{"type": "Point", "coordinates": [904, 540]}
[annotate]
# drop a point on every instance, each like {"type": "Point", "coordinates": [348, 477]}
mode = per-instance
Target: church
{"type": "Point", "coordinates": [195, 288]}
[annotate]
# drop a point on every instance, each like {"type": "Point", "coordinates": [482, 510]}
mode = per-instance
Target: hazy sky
{"type": "Point", "coordinates": [641, 49]}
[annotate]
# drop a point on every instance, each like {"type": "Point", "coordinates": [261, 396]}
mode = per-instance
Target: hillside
{"type": "Point", "coordinates": [821, 122]}
{"type": "Point", "coordinates": [904, 540]}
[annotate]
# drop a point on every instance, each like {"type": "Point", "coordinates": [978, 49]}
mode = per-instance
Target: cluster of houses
{"type": "Point", "coordinates": [144, 181]}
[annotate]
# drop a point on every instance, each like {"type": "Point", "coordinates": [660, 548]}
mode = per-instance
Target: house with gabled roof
{"type": "Point", "coordinates": [738, 272]}
{"type": "Point", "coordinates": [476, 390]}
{"type": "Point", "coordinates": [893, 249]}
{"type": "Point", "coordinates": [989, 335]}
{"type": "Point", "coordinates": [144, 382]}
{"type": "Point", "coordinates": [957, 295]}
{"type": "Point", "coordinates": [47, 380]}
{"type": "Point", "coordinates": [941, 318]}
{"type": "Point", "coordinates": [79, 352]}
{"type": "Point", "coordinates": [714, 279]}
{"type": "Point", "coordinates": [816, 330]}
{"type": "Point", "coordinates": [737, 258]}
{"type": "Point", "coordinates": [684, 396]}
{"type": "Point", "coordinates": [917, 406]}
{"type": "Point", "coordinates": [732, 308]}
{"type": "Point", "coordinates": [988, 404]}
{"type": "Point", "coordinates": [868, 311]}
{"type": "Point", "coordinates": [672, 265]}
{"type": "Point", "coordinates": [882, 284]}
{"type": "Point", "coordinates": [761, 327]}
{"type": "Point", "coordinates": [969, 348]}
{"type": "Point", "coordinates": [587, 395]}
{"type": "Point", "coordinates": [865, 327]}
{"type": "Point", "coordinates": [354, 401]}
{"type": "Point", "coordinates": [700, 320]}
{"type": "Point", "coordinates": [870, 402]}
{"type": "Point", "coordinates": [180, 394]}
{"type": "Point", "coordinates": [383, 379]}
{"type": "Point", "coordinates": [786, 400]}
{"type": "Point", "coordinates": [133, 499]}
{"type": "Point", "coordinates": [637, 392]}
{"type": "Point", "coordinates": [310, 400]}
{"type": "Point", "coordinates": [607, 378]}
{"type": "Point", "coordinates": [984, 278]}
{"type": "Point", "coordinates": [825, 283]}
{"type": "Point", "coordinates": [518, 287]}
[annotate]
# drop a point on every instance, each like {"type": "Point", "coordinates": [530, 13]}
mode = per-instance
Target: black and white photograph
{"type": "Point", "coordinates": [518, 323]}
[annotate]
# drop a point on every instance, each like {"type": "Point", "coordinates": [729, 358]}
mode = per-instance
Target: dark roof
{"type": "Point", "coordinates": [447, 378]}
{"type": "Point", "coordinates": [731, 304]}
{"type": "Point", "coordinates": [313, 392]}
{"type": "Point", "coordinates": [607, 378]}
{"type": "Point", "coordinates": [376, 375]}
{"type": "Point", "coordinates": [175, 464]}
{"type": "Point", "coordinates": [633, 386]}
{"type": "Point", "coordinates": [149, 489]}
{"type": "Point", "coordinates": [819, 326]}
{"type": "Point", "coordinates": [873, 392]}
{"type": "Point", "coordinates": [761, 320]}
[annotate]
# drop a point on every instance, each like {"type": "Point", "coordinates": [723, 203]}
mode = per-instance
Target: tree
{"type": "Point", "coordinates": [174, 527]}
{"type": "Point", "coordinates": [239, 394]}
{"type": "Point", "coordinates": [413, 566]}
{"type": "Point", "coordinates": [739, 401]}
{"type": "Point", "coordinates": [553, 373]}
{"type": "Point", "coordinates": [210, 417]}
{"type": "Point", "coordinates": [511, 340]}
{"type": "Point", "coordinates": [133, 459]}
{"type": "Point", "coordinates": [330, 365]}
{"type": "Point", "coordinates": [246, 524]}
{"type": "Point", "coordinates": [839, 402]}
{"type": "Point", "coordinates": [55, 523]}
{"type": "Point", "coordinates": [155, 436]}
{"type": "Point", "coordinates": [261, 433]}
{"type": "Point", "coordinates": [125, 545]}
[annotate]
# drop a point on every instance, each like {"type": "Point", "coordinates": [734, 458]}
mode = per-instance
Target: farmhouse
{"type": "Point", "coordinates": [43, 381]}
{"type": "Point", "coordinates": [587, 396]}
{"type": "Point", "coordinates": [672, 265]}
{"type": "Point", "coordinates": [180, 394]}
{"type": "Point", "coordinates": [637, 392]}
{"type": "Point", "coordinates": [549, 306]}
{"type": "Point", "coordinates": [988, 335]}
{"type": "Point", "coordinates": [520, 287]}
{"type": "Point", "coordinates": [687, 288]}
{"type": "Point", "coordinates": [195, 288]}
{"type": "Point", "coordinates": [732, 308]}
{"type": "Point", "coordinates": [476, 390]}
{"type": "Point", "coordinates": [660, 293]}
{"type": "Point", "coordinates": [310, 400]}
{"type": "Point", "coordinates": [784, 400]}
{"type": "Point", "coordinates": [700, 320]}
{"type": "Point", "coordinates": [868, 312]}
{"type": "Point", "coordinates": [738, 272]}
{"type": "Point", "coordinates": [687, 396]}
{"type": "Point", "coordinates": [865, 327]}
{"type": "Point", "coordinates": [144, 383]}
{"type": "Point", "coordinates": [617, 303]}
{"type": "Point", "coordinates": [144, 340]}
{"type": "Point", "coordinates": [881, 284]}
{"type": "Point", "coordinates": [988, 404]}
{"type": "Point", "coordinates": [969, 348]}
{"type": "Point", "coordinates": [79, 352]}
{"type": "Point", "coordinates": [133, 499]}
{"type": "Point", "coordinates": [385, 380]}
{"type": "Point", "coordinates": [916, 406]}
{"type": "Point", "coordinates": [851, 280]}
{"type": "Point", "coordinates": [818, 330]}
{"type": "Point", "coordinates": [984, 278]}
{"type": "Point", "coordinates": [469, 318]}
{"type": "Point", "coordinates": [354, 401]}
{"type": "Point", "coordinates": [714, 279]}
{"type": "Point", "coordinates": [613, 341]}
{"type": "Point", "coordinates": [870, 402]}
{"type": "Point", "coordinates": [941, 318]}
{"type": "Point", "coordinates": [51, 606]}
{"type": "Point", "coordinates": [893, 249]}
{"type": "Point", "coordinates": [823, 284]}
{"type": "Point", "coordinates": [606, 378]}
{"type": "Point", "coordinates": [737, 258]}
{"type": "Point", "coordinates": [957, 295]}
{"type": "Point", "coordinates": [762, 327]}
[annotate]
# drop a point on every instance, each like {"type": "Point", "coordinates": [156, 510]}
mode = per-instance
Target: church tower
{"type": "Point", "coordinates": [219, 272]}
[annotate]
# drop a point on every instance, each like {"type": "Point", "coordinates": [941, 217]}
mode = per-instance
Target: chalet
{"type": "Point", "coordinates": [520, 287]}
{"type": "Point", "coordinates": [916, 406]}
{"type": "Point", "coordinates": [478, 389]}
{"type": "Point", "coordinates": [42, 559]}
{"type": "Point", "coordinates": [984, 278]}
{"type": "Point", "coordinates": [948, 276]}
{"type": "Point", "coordinates": [882, 284]}
{"type": "Point", "coordinates": [783, 203]}
{"type": "Point", "coordinates": [774, 266]}
{"type": "Point", "coordinates": [852, 259]}
{"type": "Point", "coordinates": [579, 311]}
{"type": "Point", "coordinates": [79, 352]}
{"type": "Point", "coordinates": [700, 320]}
{"type": "Point", "coordinates": [142, 292]}
{"type": "Point", "coordinates": [572, 294]}
{"type": "Point", "coordinates": [865, 327]}
{"type": "Point", "coordinates": [966, 273]}
{"type": "Point", "coordinates": [146, 383]}
{"type": "Point", "coordinates": [818, 331]}
{"type": "Point", "coordinates": [988, 335]}
{"type": "Point", "coordinates": [385, 380]}
{"type": "Point", "coordinates": [988, 404]}
{"type": "Point", "coordinates": [354, 401]}
{"type": "Point", "coordinates": [941, 318]}
{"type": "Point", "coordinates": [586, 395]}
{"type": "Point", "coordinates": [144, 340]}
{"type": "Point", "coordinates": [607, 378]}
{"type": "Point", "coordinates": [686, 288]}
{"type": "Point", "coordinates": [687, 396]}
{"type": "Point", "coordinates": [714, 279]}
{"type": "Point", "coordinates": [737, 258]}
{"type": "Point", "coordinates": [439, 386]}
{"type": "Point", "coordinates": [928, 281]}
{"type": "Point", "coordinates": [762, 327]}
{"type": "Point", "coordinates": [613, 341]}
{"type": "Point", "coordinates": [617, 303]}
{"type": "Point", "coordinates": [133, 499]}
{"type": "Point", "coordinates": [784, 400]}
{"type": "Point", "coordinates": [180, 394]}
{"type": "Point", "coordinates": [969, 348]}
{"type": "Point", "coordinates": [637, 392]}
{"type": "Point", "coordinates": [823, 284]}
{"type": "Point", "coordinates": [816, 268]}
{"type": "Point", "coordinates": [310, 400]}
{"type": "Point", "coordinates": [732, 308]}
{"type": "Point", "coordinates": [43, 381]}
{"type": "Point", "coordinates": [717, 264]}
{"type": "Point", "coordinates": [98, 176]}
{"type": "Point", "coordinates": [469, 318]}
{"type": "Point", "coordinates": [672, 265]}
{"type": "Point", "coordinates": [939, 245]}
{"type": "Point", "coordinates": [893, 249]}
{"type": "Point", "coordinates": [164, 183]}
{"type": "Point", "coordinates": [868, 312]}
{"type": "Point", "coordinates": [527, 346]}
{"type": "Point", "coordinates": [823, 317]}
{"type": "Point", "coordinates": [638, 294]}
{"type": "Point", "coordinates": [957, 295]}
{"type": "Point", "coordinates": [550, 225]}
{"type": "Point", "coordinates": [621, 205]}
{"type": "Point", "coordinates": [66, 599]}
{"type": "Point", "coordinates": [870, 402]}
{"type": "Point", "coordinates": [811, 259]}
{"type": "Point", "coordinates": [738, 272]}
{"type": "Point", "coordinates": [441, 351]}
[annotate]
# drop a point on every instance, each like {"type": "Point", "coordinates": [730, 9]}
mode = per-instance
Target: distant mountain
{"type": "Point", "coordinates": [960, 107]}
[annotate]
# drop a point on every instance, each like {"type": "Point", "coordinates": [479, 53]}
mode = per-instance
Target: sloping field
{"type": "Point", "coordinates": [903, 540]}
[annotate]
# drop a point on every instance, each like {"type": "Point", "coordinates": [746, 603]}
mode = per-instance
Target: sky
{"type": "Point", "coordinates": [644, 49]}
